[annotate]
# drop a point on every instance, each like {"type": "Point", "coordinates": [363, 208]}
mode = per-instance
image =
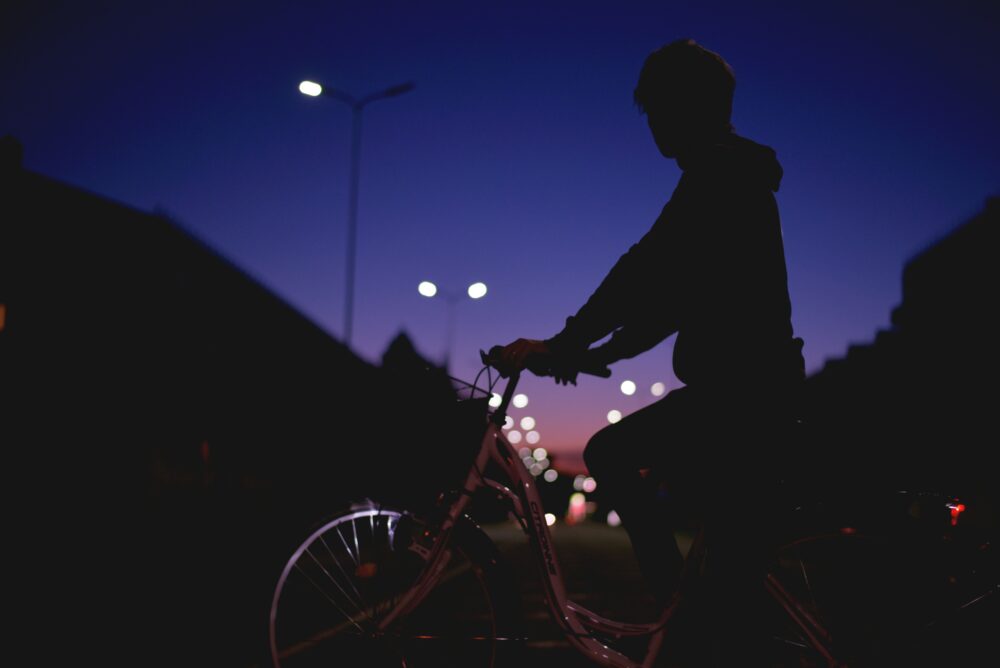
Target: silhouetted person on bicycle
{"type": "Point", "coordinates": [712, 270]}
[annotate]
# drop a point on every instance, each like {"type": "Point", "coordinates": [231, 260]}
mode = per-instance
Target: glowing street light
{"type": "Point", "coordinates": [474, 291]}
{"type": "Point", "coordinates": [313, 89]}
{"type": "Point", "coordinates": [310, 88]}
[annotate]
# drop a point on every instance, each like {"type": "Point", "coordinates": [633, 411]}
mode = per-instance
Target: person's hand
{"type": "Point", "coordinates": [514, 355]}
{"type": "Point", "coordinates": [564, 366]}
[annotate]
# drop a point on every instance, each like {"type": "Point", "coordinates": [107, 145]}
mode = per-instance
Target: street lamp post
{"type": "Point", "coordinates": [313, 89]}
{"type": "Point", "coordinates": [474, 291]}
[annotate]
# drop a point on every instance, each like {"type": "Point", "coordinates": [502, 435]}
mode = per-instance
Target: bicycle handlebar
{"type": "Point", "coordinates": [538, 364]}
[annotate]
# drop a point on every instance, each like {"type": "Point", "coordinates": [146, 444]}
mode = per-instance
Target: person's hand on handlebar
{"type": "Point", "coordinates": [528, 353]}
{"type": "Point", "coordinates": [541, 360]}
{"type": "Point", "coordinates": [515, 355]}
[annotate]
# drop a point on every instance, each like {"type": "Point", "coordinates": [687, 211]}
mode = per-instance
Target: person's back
{"type": "Point", "coordinates": [737, 322]}
{"type": "Point", "coordinates": [712, 270]}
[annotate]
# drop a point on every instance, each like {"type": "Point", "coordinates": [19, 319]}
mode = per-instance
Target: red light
{"type": "Point", "coordinates": [849, 531]}
{"type": "Point", "coordinates": [956, 510]}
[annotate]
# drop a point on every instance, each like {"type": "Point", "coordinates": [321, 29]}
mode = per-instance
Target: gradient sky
{"type": "Point", "coordinates": [518, 160]}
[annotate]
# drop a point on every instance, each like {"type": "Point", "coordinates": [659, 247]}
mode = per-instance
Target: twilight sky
{"type": "Point", "coordinates": [518, 160]}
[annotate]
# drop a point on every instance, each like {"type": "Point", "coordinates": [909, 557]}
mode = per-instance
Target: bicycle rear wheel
{"type": "Point", "coordinates": [879, 600]}
{"type": "Point", "coordinates": [347, 575]}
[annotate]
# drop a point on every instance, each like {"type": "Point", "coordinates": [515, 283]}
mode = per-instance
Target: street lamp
{"type": "Point", "coordinates": [313, 89]}
{"type": "Point", "coordinates": [474, 291]}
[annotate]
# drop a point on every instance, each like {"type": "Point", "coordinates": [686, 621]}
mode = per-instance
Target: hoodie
{"type": "Point", "coordinates": [712, 270]}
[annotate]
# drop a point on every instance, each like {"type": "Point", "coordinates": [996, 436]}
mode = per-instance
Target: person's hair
{"type": "Point", "coordinates": [694, 82]}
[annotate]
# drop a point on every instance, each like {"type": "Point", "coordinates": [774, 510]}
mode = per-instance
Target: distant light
{"type": "Point", "coordinates": [658, 389]}
{"type": "Point", "coordinates": [3, 316]}
{"type": "Point", "coordinates": [520, 400]}
{"type": "Point", "coordinates": [589, 485]}
{"type": "Point", "coordinates": [514, 436]}
{"type": "Point", "coordinates": [578, 482]}
{"type": "Point", "coordinates": [544, 463]}
{"type": "Point", "coordinates": [551, 475]}
{"type": "Point", "coordinates": [577, 508]}
{"type": "Point", "coordinates": [536, 469]}
{"type": "Point", "coordinates": [539, 454]}
{"type": "Point", "coordinates": [527, 423]}
{"type": "Point", "coordinates": [550, 519]}
{"type": "Point", "coordinates": [533, 437]}
{"type": "Point", "coordinates": [310, 88]}
{"type": "Point", "coordinates": [477, 290]}
{"type": "Point", "coordinates": [614, 416]}
{"type": "Point", "coordinates": [613, 519]}
{"type": "Point", "coordinates": [524, 452]}
{"type": "Point", "coordinates": [496, 400]}
{"type": "Point", "coordinates": [508, 422]}
{"type": "Point", "coordinates": [427, 289]}
{"type": "Point", "coordinates": [528, 461]}
{"type": "Point", "coordinates": [956, 510]}
{"type": "Point", "coordinates": [628, 387]}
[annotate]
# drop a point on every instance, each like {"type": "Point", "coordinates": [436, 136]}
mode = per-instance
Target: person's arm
{"type": "Point", "coordinates": [631, 340]}
{"type": "Point", "coordinates": [623, 294]}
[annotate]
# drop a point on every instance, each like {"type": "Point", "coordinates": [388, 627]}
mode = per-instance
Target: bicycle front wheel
{"type": "Point", "coordinates": [346, 577]}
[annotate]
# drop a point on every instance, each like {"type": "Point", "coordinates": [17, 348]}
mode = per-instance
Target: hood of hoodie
{"type": "Point", "coordinates": [736, 157]}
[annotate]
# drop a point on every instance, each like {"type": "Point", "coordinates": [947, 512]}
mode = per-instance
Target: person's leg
{"type": "Point", "coordinates": [614, 457]}
{"type": "Point", "coordinates": [740, 524]}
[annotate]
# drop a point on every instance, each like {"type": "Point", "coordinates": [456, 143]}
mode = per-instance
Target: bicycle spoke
{"type": "Point", "coordinates": [322, 591]}
{"type": "Point", "coordinates": [356, 604]}
{"type": "Point", "coordinates": [347, 547]}
{"type": "Point", "coordinates": [816, 612]}
{"type": "Point", "coordinates": [347, 577]}
{"type": "Point", "coordinates": [354, 530]}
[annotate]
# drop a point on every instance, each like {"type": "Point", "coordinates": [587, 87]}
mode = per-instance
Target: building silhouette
{"type": "Point", "coordinates": [916, 407]}
{"type": "Point", "coordinates": [171, 428]}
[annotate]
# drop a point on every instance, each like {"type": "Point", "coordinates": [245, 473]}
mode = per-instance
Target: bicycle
{"type": "Point", "coordinates": [382, 585]}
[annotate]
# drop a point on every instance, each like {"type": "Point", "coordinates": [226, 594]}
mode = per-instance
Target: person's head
{"type": "Point", "coordinates": [686, 92]}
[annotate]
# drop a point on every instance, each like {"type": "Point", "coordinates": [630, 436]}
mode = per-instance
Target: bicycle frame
{"type": "Point", "coordinates": [577, 622]}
